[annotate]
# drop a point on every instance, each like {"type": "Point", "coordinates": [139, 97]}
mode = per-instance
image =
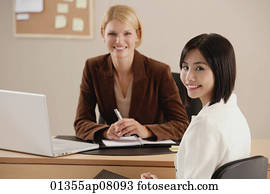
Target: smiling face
{"type": "Point", "coordinates": [120, 39]}
{"type": "Point", "coordinates": [197, 76]}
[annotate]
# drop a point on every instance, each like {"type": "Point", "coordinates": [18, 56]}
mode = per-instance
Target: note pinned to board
{"type": "Point", "coordinates": [77, 24]}
{"type": "Point", "coordinates": [22, 16]}
{"type": "Point", "coordinates": [60, 21]}
{"type": "Point", "coordinates": [81, 4]}
{"type": "Point", "coordinates": [62, 8]}
{"type": "Point", "coordinates": [23, 6]}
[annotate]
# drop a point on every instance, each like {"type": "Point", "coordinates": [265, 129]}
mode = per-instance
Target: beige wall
{"type": "Point", "coordinates": [54, 66]}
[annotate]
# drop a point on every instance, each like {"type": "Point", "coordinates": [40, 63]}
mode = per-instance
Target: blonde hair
{"type": "Point", "coordinates": [124, 14]}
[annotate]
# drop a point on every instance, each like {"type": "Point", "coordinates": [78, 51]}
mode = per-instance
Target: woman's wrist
{"type": "Point", "coordinates": [104, 134]}
{"type": "Point", "coordinates": [148, 133]}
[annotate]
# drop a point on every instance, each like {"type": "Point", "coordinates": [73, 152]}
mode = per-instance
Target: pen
{"type": "Point", "coordinates": [118, 114]}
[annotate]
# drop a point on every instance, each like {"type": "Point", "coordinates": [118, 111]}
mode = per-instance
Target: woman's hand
{"type": "Point", "coordinates": [112, 132]}
{"type": "Point", "coordinates": [128, 127]}
{"type": "Point", "coordinates": [148, 175]}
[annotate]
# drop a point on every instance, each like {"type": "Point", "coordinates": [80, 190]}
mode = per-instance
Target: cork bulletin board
{"type": "Point", "coordinates": [58, 19]}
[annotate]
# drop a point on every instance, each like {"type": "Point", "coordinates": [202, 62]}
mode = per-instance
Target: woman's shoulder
{"type": "Point", "coordinates": [221, 110]}
{"type": "Point", "coordinates": [219, 114]}
{"type": "Point", "coordinates": [97, 64]}
{"type": "Point", "coordinates": [204, 119]}
{"type": "Point", "coordinates": [209, 118]}
{"type": "Point", "coordinates": [203, 127]}
{"type": "Point", "coordinates": [152, 64]}
{"type": "Point", "coordinates": [97, 59]}
{"type": "Point", "coordinates": [156, 65]}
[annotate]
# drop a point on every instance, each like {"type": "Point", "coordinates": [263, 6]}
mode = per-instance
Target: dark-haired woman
{"type": "Point", "coordinates": [220, 132]}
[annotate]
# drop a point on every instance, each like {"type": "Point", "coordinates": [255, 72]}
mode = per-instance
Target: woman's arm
{"type": "Point", "coordinates": [176, 120]}
{"type": "Point", "coordinates": [85, 122]}
{"type": "Point", "coordinates": [200, 151]}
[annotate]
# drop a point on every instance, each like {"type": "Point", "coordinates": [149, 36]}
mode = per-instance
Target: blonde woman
{"type": "Point", "coordinates": [141, 88]}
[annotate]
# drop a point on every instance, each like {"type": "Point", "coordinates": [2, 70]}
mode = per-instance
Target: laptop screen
{"type": "Point", "coordinates": [24, 122]}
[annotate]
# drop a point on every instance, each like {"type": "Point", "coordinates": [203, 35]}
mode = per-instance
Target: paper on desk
{"type": "Point", "coordinates": [156, 142]}
{"type": "Point", "coordinates": [123, 141]}
{"type": "Point", "coordinates": [60, 21]}
{"type": "Point", "coordinates": [133, 140]}
{"type": "Point", "coordinates": [62, 8]}
{"type": "Point", "coordinates": [81, 3]}
{"type": "Point", "coordinates": [28, 6]}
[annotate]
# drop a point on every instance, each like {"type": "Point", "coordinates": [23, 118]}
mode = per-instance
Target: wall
{"type": "Point", "coordinates": [54, 66]}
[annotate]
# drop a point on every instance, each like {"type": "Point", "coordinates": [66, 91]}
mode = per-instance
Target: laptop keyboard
{"type": "Point", "coordinates": [61, 145]}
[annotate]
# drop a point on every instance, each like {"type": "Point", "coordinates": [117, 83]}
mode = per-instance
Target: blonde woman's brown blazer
{"type": "Point", "coordinates": [155, 100]}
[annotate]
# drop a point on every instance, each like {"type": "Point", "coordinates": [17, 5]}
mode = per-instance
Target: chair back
{"type": "Point", "coordinates": [194, 105]}
{"type": "Point", "coordinates": [249, 168]}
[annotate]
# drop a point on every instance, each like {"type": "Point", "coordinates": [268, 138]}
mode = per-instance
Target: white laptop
{"type": "Point", "coordinates": [24, 126]}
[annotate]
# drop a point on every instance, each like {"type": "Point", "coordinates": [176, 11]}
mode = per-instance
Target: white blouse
{"type": "Point", "coordinates": [217, 135]}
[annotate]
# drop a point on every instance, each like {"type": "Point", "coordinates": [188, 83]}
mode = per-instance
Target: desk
{"type": "Point", "coordinates": [18, 165]}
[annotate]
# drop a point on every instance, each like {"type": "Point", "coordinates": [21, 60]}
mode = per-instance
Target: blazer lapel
{"type": "Point", "coordinates": [107, 96]}
{"type": "Point", "coordinates": [139, 83]}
